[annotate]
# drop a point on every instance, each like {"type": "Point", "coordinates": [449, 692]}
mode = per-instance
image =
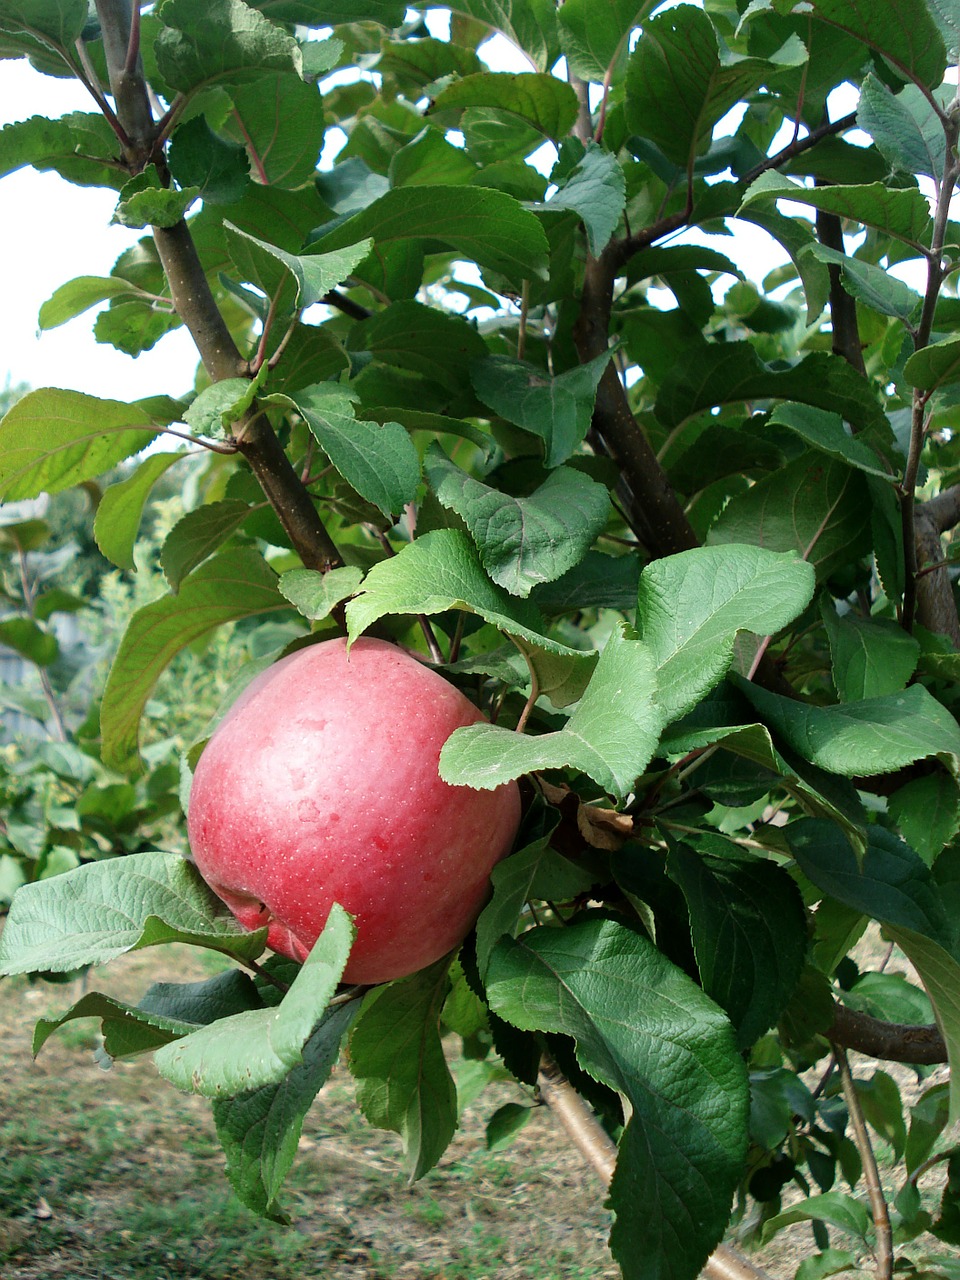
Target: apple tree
{"type": "Point", "coordinates": [491, 382]}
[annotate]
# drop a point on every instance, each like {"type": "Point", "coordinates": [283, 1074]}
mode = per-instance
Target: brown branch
{"type": "Point", "coordinates": [843, 307]}
{"type": "Point", "coordinates": [349, 308]}
{"type": "Point", "coordinates": [890, 1041]}
{"type": "Point", "coordinates": [656, 515]}
{"type": "Point", "coordinates": [600, 1152]}
{"type": "Point", "coordinates": [197, 308]}
{"type": "Point", "coordinates": [871, 1174]}
{"type": "Point", "coordinates": [799, 145]}
{"type": "Point", "coordinates": [125, 73]}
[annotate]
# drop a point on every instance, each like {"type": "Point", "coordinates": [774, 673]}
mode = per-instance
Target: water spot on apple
{"type": "Point", "coordinates": [308, 810]}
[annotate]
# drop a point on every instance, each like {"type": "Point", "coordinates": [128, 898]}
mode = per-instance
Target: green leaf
{"type": "Point", "coordinates": [679, 85]}
{"type": "Point", "coordinates": [487, 226]}
{"type": "Point", "coordinates": [134, 326]}
{"type": "Point", "coordinates": [79, 146]}
{"type": "Point", "coordinates": [397, 1059]}
{"type": "Point", "coordinates": [523, 541]}
{"type": "Point", "coordinates": [833, 1207]}
{"type": "Point", "coordinates": [424, 340]}
{"type": "Point", "coordinates": [146, 202]}
{"type": "Point", "coordinates": [79, 295]}
{"type": "Point", "coordinates": [934, 366]}
{"type": "Point", "coordinates": [379, 460]}
{"type": "Point", "coordinates": [223, 403]}
{"type": "Point", "coordinates": [234, 584]}
{"type": "Point", "coordinates": [206, 42]}
{"type": "Point", "coordinates": [898, 29]}
{"type": "Point", "coordinates": [311, 276]}
{"type": "Point", "coordinates": [749, 931]}
{"type": "Point", "coordinates": [548, 104]}
{"type": "Point", "coordinates": [728, 373]}
{"type": "Point", "coordinates": [869, 657]}
{"type": "Point", "coordinates": [814, 506]}
{"type": "Point", "coordinates": [259, 1130]}
{"type": "Point", "coordinates": [197, 535]}
{"type": "Point", "coordinates": [536, 871]}
{"type": "Point", "coordinates": [30, 641]}
{"type": "Point", "coordinates": [104, 909]}
{"type": "Point", "coordinates": [125, 1029]}
{"type": "Point", "coordinates": [120, 510]}
{"type": "Point", "coordinates": [873, 286]}
{"type": "Point", "coordinates": [58, 21]}
{"type": "Point", "coordinates": [905, 127]}
{"type": "Point", "coordinates": [51, 440]}
{"type": "Point", "coordinates": [594, 32]}
{"type": "Point", "coordinates": [645, 1029]}
{"type": "Point", "coordinates": [901, 212]}
{"type": "Point", "coordinates": [692, 606]}
{"type": "Point", "coordinates": [314, 594]}
{"type": "Point", "coordinates": [876, 735]}
{"type": "Point", "coordinates": [825, 432]}
{"type": "Point", "coordinates": [260, 1047]}
{"type": "Point", "coordinates": [611, 735]}
{"type": "Point", "coordinates": [596, 190]}
{"type": "Point", "coordinates": [280, 118]}
{"type": "Point", "coordinates": [441, 570]}
{"type": "Point", "coordinates": [557, 409]}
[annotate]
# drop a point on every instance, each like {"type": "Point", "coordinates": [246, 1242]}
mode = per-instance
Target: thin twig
{"type": "Point", "coordinates": [871, 1174]}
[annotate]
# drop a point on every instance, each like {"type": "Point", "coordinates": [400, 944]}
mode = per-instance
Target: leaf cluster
{"type": "Point", "coordinates": [686, 537]}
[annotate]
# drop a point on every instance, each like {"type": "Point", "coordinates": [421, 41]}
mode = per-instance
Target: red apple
{"type": "Point", "coordinates": [320, 785]}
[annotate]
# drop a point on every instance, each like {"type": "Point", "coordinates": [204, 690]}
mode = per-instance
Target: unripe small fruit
{"type": "Point", "coordinates": [320, 785]}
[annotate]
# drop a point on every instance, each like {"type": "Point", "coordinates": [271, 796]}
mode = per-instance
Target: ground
{"type": "Point", "coordinates": [109, 1175]}
{"type": "Point", "coordinates": [113, 1175]}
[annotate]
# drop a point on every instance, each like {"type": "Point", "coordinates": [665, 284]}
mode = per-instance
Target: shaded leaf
{"type": "Point", "coordinates": [815, 506]}
{"type": "Point", "coordinates": [480, 223]}
{"type": "Point", "coordinates": [644, 1028]}
{"type": "Point", "coordinates": [397, 1059]}
{"type": "Point", "coordinates": [749, 932]}
{"type": "Point", "coordinates": [557, 409]}
{"type": "Point", "coordinates": [197, 535]}
{"type": "Point", "coordinates": [545, 102]}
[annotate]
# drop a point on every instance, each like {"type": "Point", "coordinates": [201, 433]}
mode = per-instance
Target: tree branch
{"type": "Point", "coordinates": [843, 307]}
{"type": "Point", "coordinates": [197, 308]}
{"type": "Point", "coordinates": [655, 513]}
{"type": "Point", "coordinates": [890, 1041]}
{"type": "Point", "coordinates": [871, 1174]}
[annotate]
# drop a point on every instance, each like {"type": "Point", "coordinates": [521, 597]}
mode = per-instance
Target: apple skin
{"type": "Point", "coordinates": [320, 785]}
